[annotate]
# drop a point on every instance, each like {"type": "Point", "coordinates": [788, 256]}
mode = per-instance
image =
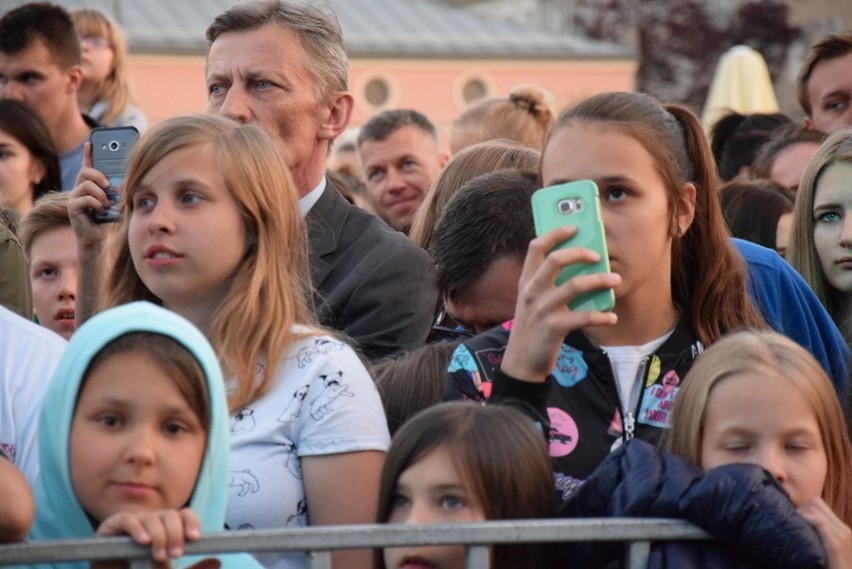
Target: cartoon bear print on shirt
{"type": "Point", "coordinates": [333, 388]}
{"type": "Point", "coordinates": [320, 346]}
{"type": "Point", "coordinates": [245, 481]}
{"type": "Point", "coordinates": [243, 421]}
{"type": "Point", "coordinates": [293, 464]}
{"type": "Point", "coordinates": [296, 519]}
{"type": "Point", "coordinates": [241, 527]}
{"type": "Point", "coordinates": [294, 407]}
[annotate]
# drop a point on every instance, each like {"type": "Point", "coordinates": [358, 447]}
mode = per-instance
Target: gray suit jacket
{"type": "Point", "coordinates": [372, 283]}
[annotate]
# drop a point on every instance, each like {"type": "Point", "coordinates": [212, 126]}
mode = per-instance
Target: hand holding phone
{"type": "Point", "coordinates": [111, 147]}
{"type": "Point", "coordinates": [577, 204]}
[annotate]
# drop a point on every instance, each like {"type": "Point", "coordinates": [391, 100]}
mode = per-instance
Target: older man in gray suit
{"type": "Point", "coordinates": [282, 65]}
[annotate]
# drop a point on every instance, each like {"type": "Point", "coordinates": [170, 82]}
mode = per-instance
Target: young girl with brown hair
{"type": "Point", "coordinates": [456, 463]}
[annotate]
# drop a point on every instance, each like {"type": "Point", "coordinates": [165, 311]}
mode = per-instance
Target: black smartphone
{"type": "Point", "coordinates": [111, 147]}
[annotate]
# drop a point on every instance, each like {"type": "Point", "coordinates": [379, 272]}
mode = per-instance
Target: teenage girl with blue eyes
{"type": "Point", "coordinates": [821, 241]}
{"type": "Point", "coordinates": [459, 463]}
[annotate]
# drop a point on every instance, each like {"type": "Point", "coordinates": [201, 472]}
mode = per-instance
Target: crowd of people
{"type": "Point", "coordinates": [264, 341]}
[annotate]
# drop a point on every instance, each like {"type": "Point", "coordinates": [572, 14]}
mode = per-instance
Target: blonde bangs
{"type": "Point", "coordinates": [92, 23]}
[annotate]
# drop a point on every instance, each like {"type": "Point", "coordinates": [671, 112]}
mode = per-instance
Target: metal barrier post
{"type": "Point", "coordinates": [476, 537]}
{"type": "Point", "coordinates": [320, 559]}
{"type": "Point", "coordinates": [638, 553]}
{"type": "Point", "coordinates": [477, 557]}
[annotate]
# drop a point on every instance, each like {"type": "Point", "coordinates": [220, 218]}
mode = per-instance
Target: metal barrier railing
{"type": "Point", "coordinates": [320, 541]}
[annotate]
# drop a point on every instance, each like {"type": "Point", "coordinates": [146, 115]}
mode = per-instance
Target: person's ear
{"type": "Point", "coordinates": [340, 109]}
{"type": "Point", "coordinates": [443, 158]}
{"type": "Point", "coordinates": [75, 78]}
{"type": "Point", "coordinates": [808, 123]}
{"type": "Point", "coordinates": [37, 171]}
{"type": "Point", "coordinates": [685, 209]}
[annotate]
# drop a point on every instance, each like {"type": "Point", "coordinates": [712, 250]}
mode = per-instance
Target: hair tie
{"type": "Point", "coordinates": [678, 130]}
{"type": "Point", "coordinates": [523, 102]}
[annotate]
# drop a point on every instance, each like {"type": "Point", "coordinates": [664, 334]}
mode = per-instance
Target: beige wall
{"type": "Point", "coordinates": [434, 87]}
{"type": "Point", "coordinates": [173, 85]}
{"type": "Point", "coordinates": [168, 85]}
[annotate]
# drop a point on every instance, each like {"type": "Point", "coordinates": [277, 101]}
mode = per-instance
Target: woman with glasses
{"type": "Point", "coordinates": [105, 93]}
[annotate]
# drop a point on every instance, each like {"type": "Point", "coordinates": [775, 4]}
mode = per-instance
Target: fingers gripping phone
{"type": "Point", "coordinates": [577, 204]}
{"type": "Point", "coordinates": [111, 148]}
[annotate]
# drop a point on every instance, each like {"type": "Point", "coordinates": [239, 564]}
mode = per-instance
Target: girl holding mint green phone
{"type": "Point", "coordinates": [604, 377]}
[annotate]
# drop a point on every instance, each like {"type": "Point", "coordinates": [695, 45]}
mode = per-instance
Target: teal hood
{"type": "Point", "coordinates": [58, 513]}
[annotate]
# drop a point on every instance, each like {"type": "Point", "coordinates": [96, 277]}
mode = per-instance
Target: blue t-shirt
{"type": "Point", "coordinates": [70, 164]}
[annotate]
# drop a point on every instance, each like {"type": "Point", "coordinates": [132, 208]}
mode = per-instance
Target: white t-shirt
{"type": "Point", "coordinates": [323, 401]}
{"type": "Point", "coordinates": [625, 362]}
{"type": "Point", "coordinates": [29, 354]}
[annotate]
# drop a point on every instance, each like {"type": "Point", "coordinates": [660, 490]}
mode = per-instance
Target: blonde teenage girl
{"type": "Point", "coordinates": [211, 230]}
{"type": "Point", "coordinates": [821, 240]}
{"type": "Point", "coordinates": [757, 397]}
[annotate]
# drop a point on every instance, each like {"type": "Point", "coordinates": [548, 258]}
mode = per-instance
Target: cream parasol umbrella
{"type": "Point", "coordinates": [741, 83]}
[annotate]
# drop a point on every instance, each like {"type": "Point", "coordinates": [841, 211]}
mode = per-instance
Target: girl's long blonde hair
{"type": "Point", "coordinates": [253, 327]}
{"type": "Point", "coordinates": [767, 354]}
{"type": "Point", "coordinates": [802, 253]}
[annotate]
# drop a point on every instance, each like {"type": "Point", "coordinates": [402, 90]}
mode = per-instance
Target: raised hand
{"type": "Point", "coordinates": [542, 317]}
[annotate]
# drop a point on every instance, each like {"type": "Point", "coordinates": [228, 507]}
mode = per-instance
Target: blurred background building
{"type": "Point", "coordinates": [437, 56]}
{"type": "Point", "coordinates": [679, 42]}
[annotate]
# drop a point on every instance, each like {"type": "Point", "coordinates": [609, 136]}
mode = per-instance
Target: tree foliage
{"type": "Point", "coordinates": [679, 42]}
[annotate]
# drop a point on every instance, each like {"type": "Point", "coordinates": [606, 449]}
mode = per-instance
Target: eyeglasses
{"type": "Point", "coordinates": [95, 41]}
{"type": "Point", "coordinates": [448, 329]}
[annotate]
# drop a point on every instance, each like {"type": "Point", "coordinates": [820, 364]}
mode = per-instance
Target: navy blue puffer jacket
{"type": "Point", "coordinates": [755, 523]}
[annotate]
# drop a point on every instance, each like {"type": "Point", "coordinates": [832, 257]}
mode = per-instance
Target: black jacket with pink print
{"type": "Point", "coordinates": [579, 403]}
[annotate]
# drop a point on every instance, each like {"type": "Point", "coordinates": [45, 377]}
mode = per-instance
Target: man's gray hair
{"type": "Point", "coordinates": [316, 23]}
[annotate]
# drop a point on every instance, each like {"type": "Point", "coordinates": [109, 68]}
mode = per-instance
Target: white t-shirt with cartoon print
{"type": "Point", "coordinates": [323, 401]}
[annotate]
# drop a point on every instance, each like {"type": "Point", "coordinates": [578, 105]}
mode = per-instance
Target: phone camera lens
{"type": "Point", "coordinates": [566, 207]}
{"type": "Point", "coordinates": [114, 145]}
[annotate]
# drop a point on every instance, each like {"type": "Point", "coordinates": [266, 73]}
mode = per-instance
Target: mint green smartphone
{"type": "Point", "coordinates": [577, 204]}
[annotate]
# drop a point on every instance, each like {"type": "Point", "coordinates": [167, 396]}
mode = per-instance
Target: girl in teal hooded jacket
{"type": "Point", "coordinates": [88, 483]}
